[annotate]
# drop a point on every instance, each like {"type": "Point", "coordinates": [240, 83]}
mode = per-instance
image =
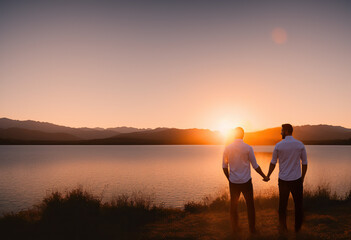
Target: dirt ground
{"type": "Point", "coordinates": [330, 223]}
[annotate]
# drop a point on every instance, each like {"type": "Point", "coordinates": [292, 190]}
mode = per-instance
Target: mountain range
{"type": "Point", "coordinates": [34, 132]}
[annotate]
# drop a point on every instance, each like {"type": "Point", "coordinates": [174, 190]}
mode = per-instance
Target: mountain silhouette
{"type": "Point", "coordinates": [34, 132]}
{"type": "Point", "coordinates": [164, 136]}
{"type": "Point", "coordinates": [81, 133]}
{"type": "Point", "coordinates": [25, 134]}
{"type": "Point", "coordinates": [309, 134]}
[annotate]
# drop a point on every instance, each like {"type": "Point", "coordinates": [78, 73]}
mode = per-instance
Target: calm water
{"type": "Point", "coordinates": [171, 174]}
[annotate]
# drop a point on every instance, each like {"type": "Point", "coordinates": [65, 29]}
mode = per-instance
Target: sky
{"type": "Point", "coordinates": [182, 64]}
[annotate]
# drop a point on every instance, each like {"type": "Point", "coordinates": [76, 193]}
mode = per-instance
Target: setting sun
{"type": "Point", "coordinates": [225, 126]}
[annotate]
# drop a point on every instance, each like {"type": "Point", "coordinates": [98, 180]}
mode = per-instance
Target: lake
{"type": "Point", "coordinates": [171, 175]}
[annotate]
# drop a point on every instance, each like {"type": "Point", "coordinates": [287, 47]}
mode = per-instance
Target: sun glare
{"type": "Point", "coordinates": [225, 127]}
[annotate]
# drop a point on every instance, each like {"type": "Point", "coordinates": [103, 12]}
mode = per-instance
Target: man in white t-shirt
{"type": "Point", "coordinates": [291, 154]}
{"type": "Point", "coordinates": [239, 155]}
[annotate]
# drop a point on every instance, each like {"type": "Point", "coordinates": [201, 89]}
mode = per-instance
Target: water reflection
{"type": "Point", "coordinates": [174, 174]}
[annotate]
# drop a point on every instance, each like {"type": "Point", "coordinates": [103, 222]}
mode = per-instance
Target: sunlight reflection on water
{"type": "Point", "coordinates": [173, 174]}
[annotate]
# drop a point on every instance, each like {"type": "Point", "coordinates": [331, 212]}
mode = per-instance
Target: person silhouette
{"type": "Point", "coordinates": [239, 155]}
{"type": "Point", "coordinates": [289, 152]}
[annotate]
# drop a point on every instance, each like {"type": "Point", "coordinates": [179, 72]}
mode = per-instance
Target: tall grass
{"type": "Point", "coordinates": [322, 196]}
{"type": "Point", "coordinates": [79, 214]}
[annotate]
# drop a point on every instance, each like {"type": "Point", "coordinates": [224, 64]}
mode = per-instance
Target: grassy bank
{"type": "Point", "coordinates": [80, 215]}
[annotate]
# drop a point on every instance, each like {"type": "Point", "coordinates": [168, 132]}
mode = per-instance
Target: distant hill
{"type": "Point", "coordinates": [33, 132]}
{"type": "Point", "coordinates": [164, 136]}
{"type": "Point", "coordinates": [321, 132]}
{"type": "Point", "coordinates": [128, 129]}
{"type": "Point", "coordinates": [25, 134]}
{"type": "Point", "coordinates": [317, 134]}
{"type": "Point", "coordinates": [81, 133]}
{"type": "Point", "coordinates": [268, 136]}
{"type": "Point", "coordinates": [308, 134]}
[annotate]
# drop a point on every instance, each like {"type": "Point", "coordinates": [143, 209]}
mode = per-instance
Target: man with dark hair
{"type": "Point", "coordinates": [239, 155]}
{"type": "Point", "coordinates": [290, 152]}
{"type": "Point", "coordinates": [287, 128]}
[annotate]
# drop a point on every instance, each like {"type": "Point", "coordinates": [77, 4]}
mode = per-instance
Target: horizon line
{"type": "Point", "coordinates": [149, 128]}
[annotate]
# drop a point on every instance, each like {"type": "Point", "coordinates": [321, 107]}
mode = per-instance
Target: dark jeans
{"type": "Point", "coordinates": [247, 190]}
{"type": "Point", "coordinates": [296, 189]}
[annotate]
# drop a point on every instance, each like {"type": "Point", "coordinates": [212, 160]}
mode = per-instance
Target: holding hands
{"type": "Point", "coordinates": [259, 171]}
{"type": "Point", "coordinates": [266, 179]}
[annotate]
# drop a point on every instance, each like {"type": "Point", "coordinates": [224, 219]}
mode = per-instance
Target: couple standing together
{"type": "Point", "coordinates": [289, 153]}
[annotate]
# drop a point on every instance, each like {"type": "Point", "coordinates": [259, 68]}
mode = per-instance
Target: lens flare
{"type": "Point", "coordinates": [279, 35]}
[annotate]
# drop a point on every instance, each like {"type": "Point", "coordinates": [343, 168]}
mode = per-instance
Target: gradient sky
{"type": "Point", "coordinates": [184, 64]}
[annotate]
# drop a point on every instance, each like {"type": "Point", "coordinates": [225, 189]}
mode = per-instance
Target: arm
{"type": "Point", "coordinates": [259, 171]}
{"type": "Point", "coordinates": [226, 172]}
{"type": "Point", "coordinates": [304, 163]}
{"type": "Point", "coordinates": [271, 168]}
{"type": "Point", "coordinates": [255, 165]}
{"type": "Point", "coordinates": [273, 162]}
{"type": "Point", "coordinates": [225, 164]}
{"type": "Point", "coordinates": [304, 170]}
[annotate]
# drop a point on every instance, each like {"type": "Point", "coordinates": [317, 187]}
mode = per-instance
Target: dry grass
{"type": "Point", "coordinates": [80, 215]}
{"type": "Point", "coordinates": [215, 225]}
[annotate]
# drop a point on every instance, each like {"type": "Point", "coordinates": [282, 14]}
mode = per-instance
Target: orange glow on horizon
{"type": "Point", "coordinates": [225, 127]}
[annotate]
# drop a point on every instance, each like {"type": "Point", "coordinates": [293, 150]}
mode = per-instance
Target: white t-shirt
{"type": "Point", "coordinates": [239, 155]}
{"type": "Point", "coordinates": [289, 151]}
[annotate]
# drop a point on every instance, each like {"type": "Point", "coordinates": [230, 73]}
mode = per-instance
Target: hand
{"type": "Point", "coordinates": [266, 179]}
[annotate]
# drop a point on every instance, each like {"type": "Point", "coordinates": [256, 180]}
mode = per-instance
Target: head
{"type": "Point", "coordinates": [238, 133]}
{"type": "Point", "coordinates": [287, 130]}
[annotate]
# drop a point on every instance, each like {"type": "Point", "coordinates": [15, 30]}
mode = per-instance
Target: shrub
{"type": "Point", "coordinates": [220, 203]}
{"type": "Point", "coordinates": [194, 207]}
{"type": "Point", "coordinates": [74, 213]}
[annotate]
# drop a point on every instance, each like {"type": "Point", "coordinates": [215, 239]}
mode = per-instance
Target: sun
{"type": "Point", "coordinates": [225, 127]}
